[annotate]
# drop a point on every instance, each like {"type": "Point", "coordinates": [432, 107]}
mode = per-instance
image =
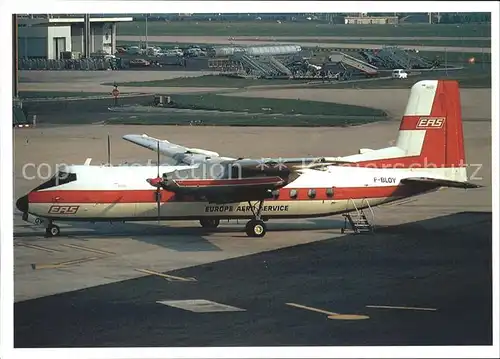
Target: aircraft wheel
{"type": "Point", "coordinates": [209, 223]}
{"type": "Point", "coordinates": [52, 231]}
{"type": "Point", "coordinates": [255, 228]}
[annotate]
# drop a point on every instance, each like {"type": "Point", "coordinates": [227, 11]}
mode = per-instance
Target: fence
{"type": "Point", "coordinates": [96, 64]}
{"type": "Point", "coordinates": [69, 64]}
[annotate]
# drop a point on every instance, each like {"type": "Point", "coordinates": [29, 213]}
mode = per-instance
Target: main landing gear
{"type": "Point", "coordinates": [256, 226]}
{"type": "Point", "coordinates": [209, 223]}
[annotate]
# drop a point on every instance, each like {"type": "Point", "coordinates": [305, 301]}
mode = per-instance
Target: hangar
{"type": "Point", "coordinates": [53, 37]}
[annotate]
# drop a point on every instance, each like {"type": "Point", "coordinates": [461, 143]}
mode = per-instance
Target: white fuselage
{"type": "Point", "coordinates": [103, 193]}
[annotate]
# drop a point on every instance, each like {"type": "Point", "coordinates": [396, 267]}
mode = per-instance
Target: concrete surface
{"type": "Point", "coordinates": [75, 81]}
{"type": "Point", "coordinates": [476, 103]}
{"type": "Point", "coordinates": [79, 77]}
{"type": "Point", "coordinates": [93, 87]}
{"type": "Point", "coordinates": [419, 284]}
{"type": "Point", "coordinates": [442, 262]}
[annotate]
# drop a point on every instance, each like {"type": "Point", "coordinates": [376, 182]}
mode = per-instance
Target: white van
{"type": "Point", "coordinates": [399, 74]}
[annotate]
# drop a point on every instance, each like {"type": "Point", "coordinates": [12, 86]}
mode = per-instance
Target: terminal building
{"type": "Point", "coordinates": [54, 37]}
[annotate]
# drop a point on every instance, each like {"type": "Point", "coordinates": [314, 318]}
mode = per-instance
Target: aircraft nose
{"type": "Point", "coordinates": [22, 204]}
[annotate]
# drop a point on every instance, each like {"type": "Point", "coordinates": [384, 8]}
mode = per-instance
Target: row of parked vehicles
{"type": "Point", "coordinates": [157, 51]}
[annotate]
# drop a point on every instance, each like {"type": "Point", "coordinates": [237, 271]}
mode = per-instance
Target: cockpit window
{"type": "Point", "coordinates": [58, 179]}
{"type": "Point", "coordinates": [64, 177]}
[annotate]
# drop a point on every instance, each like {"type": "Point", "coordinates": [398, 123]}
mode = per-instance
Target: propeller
{"type": "Point", "coordinates": [109, 151]}
{"type": "Point", "coordinates": [158, 187]}
{"type": "Point", "coordinates": [157, 182]}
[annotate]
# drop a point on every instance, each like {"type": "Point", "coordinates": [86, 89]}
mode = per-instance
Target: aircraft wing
{"type": "Point", "coordinates": [182, 154]}
{"type": "Point", "coordinates": [190, 156]}
{"type": "Point", "coordinates": [439, 182]}
{"type": "Point", "coordinates": [222, 191]}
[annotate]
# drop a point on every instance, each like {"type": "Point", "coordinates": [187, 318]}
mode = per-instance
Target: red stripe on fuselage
{"type": "Point", "coordinates": [285, 194]}
{"type": "Point", "coordinates": [227, 182]}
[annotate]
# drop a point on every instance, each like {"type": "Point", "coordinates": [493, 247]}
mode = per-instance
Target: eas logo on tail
{"type": "Point", "coordinates": [431, 122]}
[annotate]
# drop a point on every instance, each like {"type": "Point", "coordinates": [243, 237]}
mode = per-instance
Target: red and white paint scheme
{"type": "Point", "coordinates": [428, 154]}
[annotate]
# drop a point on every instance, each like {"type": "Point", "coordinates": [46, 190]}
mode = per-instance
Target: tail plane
{"type": "Point", "coordinates": [430, 138]}
{"type": "Point", "coordinates": [430, 131]}
{"type": "Point", "coordinates": [431, 128]}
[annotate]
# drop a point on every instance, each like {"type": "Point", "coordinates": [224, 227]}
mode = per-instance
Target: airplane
{"type": "Point", "coordinates": [428, 155]}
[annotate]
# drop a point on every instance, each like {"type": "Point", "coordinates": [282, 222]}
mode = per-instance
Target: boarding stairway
{"type": "Point", "coordinates": [256, 67]}
{"type": "Point", "coordinates": [279, 66]}
{"type": "Point", "coordinates": [264, 67]}
{"type": "Point", "coordinates": [340, 57]}
{"type": "Point", "coordinates": [357, 219]}
{"type": "Point", "coordinates": [392, 57]}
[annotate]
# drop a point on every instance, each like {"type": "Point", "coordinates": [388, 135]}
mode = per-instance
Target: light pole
{"type": "Point", "coordinates": [446, 60]}
{"type": "Point", "coordinates": [146, 32]}
{"type": "Point", "coordinates": [15, 43]}
{"type": "Point", "coordinates": [140, 37]}
{"type": "Point", "coordinates": [86, 32]}
{"type": "Point", "coordinates": [26, 42]}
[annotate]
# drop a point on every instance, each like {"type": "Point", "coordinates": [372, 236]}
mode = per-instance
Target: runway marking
{"type": "Point", "coordinates": [200, 306]}
{"type": "Point", "coordinates": [88, 249]}
{"type": "Point", "coordinates": [311, 308]}
{"type": "Point", "coordinates": [331, 315]}
{"type": "Point", "coordinates": [396, 307]}
{"type": "Point", "coordinates": [166, 276]}
{"type": "Point", "coordinates": [35, 266]}
{"type": "Point", "coordinates": [40, 248]}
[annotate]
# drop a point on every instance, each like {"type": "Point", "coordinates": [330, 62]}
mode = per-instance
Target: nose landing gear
{"type": "Point", "coordinates": [52, 230]}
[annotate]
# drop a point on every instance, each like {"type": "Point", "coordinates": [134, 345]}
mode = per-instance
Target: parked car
{"type": "Point", "coordinates": [399, 74]}
{"type": "Point", "coordinates": [139, 63]}
{"type": "Point", "coordinates": [133, 50]}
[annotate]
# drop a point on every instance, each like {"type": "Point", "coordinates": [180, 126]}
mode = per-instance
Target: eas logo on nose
{"type": "Point", "coordinates": [63, 209]}
{"type": "Point", "coordinates": [431, 122]}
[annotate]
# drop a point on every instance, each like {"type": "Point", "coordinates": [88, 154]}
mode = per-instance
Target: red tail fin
{"type": "Point", "coordinates": [430, 134]}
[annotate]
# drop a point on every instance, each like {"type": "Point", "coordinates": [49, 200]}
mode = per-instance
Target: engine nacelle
{"type": "Point", "coordinates": [203, 152]}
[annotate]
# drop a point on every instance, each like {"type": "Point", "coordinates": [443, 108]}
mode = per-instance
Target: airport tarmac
{"type": "Point", "coordinates": [434, 253]}
{"type": "Point", "coordinates": [416, 284]}
{"type": "Point", "coordinates": [92, 81]}
{"type": "Point", "coordinates": [83, 77]}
